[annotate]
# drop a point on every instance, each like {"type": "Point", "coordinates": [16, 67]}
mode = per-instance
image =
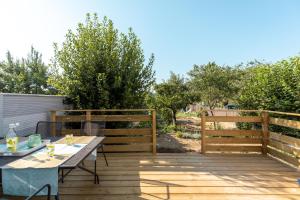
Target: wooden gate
{"type": "Point", "coordinates": [257, 140]}
{"type": "Point", "coordinates": [233, 141]}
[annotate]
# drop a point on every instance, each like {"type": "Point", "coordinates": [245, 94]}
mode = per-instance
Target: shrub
{"type": "Point", "coordinates": [179, 134]}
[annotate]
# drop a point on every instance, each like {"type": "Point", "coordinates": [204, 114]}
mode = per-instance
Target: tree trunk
{"type": "Point", "coordinates": [174, 117]}
{"type": "Point", "coordinates": [212, 114]}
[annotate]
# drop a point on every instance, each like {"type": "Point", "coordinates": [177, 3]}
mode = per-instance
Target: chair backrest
{"type": "Point", "coordinates": [92, 128]}
{"type": "Point", "coordinates": [46, 129]}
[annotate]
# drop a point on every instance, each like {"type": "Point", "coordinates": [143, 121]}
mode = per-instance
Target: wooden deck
{"type": "Point", "coordinates": [185, 176]}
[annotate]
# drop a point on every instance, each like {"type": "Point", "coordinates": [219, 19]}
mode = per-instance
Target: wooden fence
{"type": "Point", "coordinates": [232, 141]}
{"type": "Point", "coordinates": [259, 140]}
{"type": "Point", "coordinates": [135, 139]}
{"type": "Point", "coordinates": [282, 146]}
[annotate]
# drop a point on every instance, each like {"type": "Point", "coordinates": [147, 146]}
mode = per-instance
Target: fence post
{"type": "Point", "coordinates": [53, 119]}
{"type": "Point", "coordinates": [203, 132]}
{"type": "Point", "coordinates": [88, 118]}
{"type": "Point", "coordinates": [265, 131]}
{"type": "Point", "coordinates": [154, 132]}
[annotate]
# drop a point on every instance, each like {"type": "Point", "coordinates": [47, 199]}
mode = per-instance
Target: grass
{"type": "Point", "coordinates": [188, 135]}
{"type": "Point", "coordinates": [187, 114]}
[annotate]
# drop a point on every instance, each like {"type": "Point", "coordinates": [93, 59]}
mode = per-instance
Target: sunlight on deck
{"type": "Point", "coordinates": [185, 176]}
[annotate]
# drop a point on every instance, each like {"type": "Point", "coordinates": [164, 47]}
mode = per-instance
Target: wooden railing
{"type": "Point", "coordinates": [135, 139]}
{"type": "Point", "coordinates": [259, 140]}
{"type": "Point", "coordinates": [231, 141]}
{"type": "Point", "coordinates": [143, 139]}
{"type": "Point", "coordinates": [281, 146]}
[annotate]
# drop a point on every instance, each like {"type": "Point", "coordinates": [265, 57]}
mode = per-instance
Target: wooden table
{"type": "Point", "coordinates": [74, 161]}
{"type": "Point", "coordinates": [79, 157]}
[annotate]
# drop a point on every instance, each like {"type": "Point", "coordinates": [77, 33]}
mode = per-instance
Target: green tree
{"type": "Point", "coordinates": [214, 85]}
{"type": "Point", "coordinates": [36, 75]}
{"type": "Point", "coordinates": [170, 96]}
{"type": "Point", "coordinates": [98, 67]}
{"type": "Point", "coordinates": [272, 86]}
{"type": "Point", "coordinates": [27, 76]}
{"type": "Point", "coordinates": [11, 73]}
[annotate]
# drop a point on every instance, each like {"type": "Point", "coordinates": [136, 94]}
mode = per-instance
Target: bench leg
{"type": "Point", "coordinates": [96, 177]}
{"type": "Point", "coordinates": [104, 155]}
{"type": "Point", "coordinates": [62, 175]}
{"type": "Point", "coordinates": [57, 196]}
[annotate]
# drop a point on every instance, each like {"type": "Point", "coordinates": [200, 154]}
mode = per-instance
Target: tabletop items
{"type": "Point", "coordinates": [34, 140]}
{"type": "Point", "coordinates": [22, 177]}
{"type": "Point", "coordinates": [11, 137]}
{"type": "Point", "coordinates": [69, 139]}
{"type": "Point", "coordinates": [23, 146]}
{"type": "Point", "coordinates": [12, 141]}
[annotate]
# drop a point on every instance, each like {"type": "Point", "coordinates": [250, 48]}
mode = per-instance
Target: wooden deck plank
{"type": "Point", "coordinates": [185, 177]}
{"type": "Point", "coordinates": [220, 173]}
{"type": "Point", "coordinates": [171, 196]}
{"type": "Point", "coordinates": [184, 183]}
{"type": "Point", "coordinates": [192, 168]}
{"type": "Point", "coordinates": [168, 196]}
{"type": "Point", "coordinates": [178, 190]}
{"type": "Point", "coordinates": [208, 164]}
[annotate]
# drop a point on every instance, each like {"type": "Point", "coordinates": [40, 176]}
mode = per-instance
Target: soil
{"type": "Point", "coordinates": [169, 143]}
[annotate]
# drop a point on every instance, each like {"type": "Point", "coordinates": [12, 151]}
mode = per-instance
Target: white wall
{"type": "Point", "coordinates": [27, 109]}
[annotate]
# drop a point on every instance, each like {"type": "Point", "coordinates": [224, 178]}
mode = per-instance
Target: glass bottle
{"type": "Point", "coordinates": [11, 138]}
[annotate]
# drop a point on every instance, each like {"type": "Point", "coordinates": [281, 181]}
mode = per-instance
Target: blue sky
{"type": "Point", "coordinates": [179, 32]}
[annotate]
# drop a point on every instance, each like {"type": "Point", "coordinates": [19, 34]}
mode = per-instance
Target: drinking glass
{"type": "Point", "coordinates": [50, 149]}
{"type": "Point", "coordinates": [34, 140]}
{"type": "Point", "coordinates": [69, 139]}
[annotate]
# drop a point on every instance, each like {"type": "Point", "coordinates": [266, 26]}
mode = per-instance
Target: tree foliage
{"type": "Point", "coordinates": [272, 86]}
{"type": "Point", "coordinates": [98, 67]}
{"type": "Point", "coordinates": [169, 97]}
{"type": "Point", "coordinates": [28, 75]}
{"type": "Point", "coordinates": [213, 84]}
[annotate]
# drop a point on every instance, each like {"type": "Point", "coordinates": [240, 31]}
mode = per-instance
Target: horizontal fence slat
{"type": "Point", "coordinates": [284, 147]}
{"type": "Point", "coordinates": [71, 131]}
{"type": "Point", "coordinates": [130, 139]}
{"type": "Point", "coordinates": [285, 122]}
{"type": "Point", "coordinates": [128, 148]}
{"type": "Point", "coordinates": [133, 131]}
{"type": "Point", "coordinates": [233, 119]}
{"type": "Point", "coordinates": [222, 140]}
{"type": "Point", "coordinates": [230, 148]}
{"type": "Point", "coordinates": [143, 139]}
{"type": "Point", "coordinates": [256, 133]}
{"type": "Point", "coordinates": [70, 118]}
{"type": "Point", "coordinates": [107, 118]}
{"type": "Point", "coordinates": [283, 113]}
{"type": "Point", "coordinates": [283, 156]}
{"type": "Point", "coordinates": [286, 139]}
{"type": "Point", "coordinates": [109, 132]}
{"type": "Point", "coordinates": [105, 110]}
{"type": "Point", "coordinates": [121, 118]}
